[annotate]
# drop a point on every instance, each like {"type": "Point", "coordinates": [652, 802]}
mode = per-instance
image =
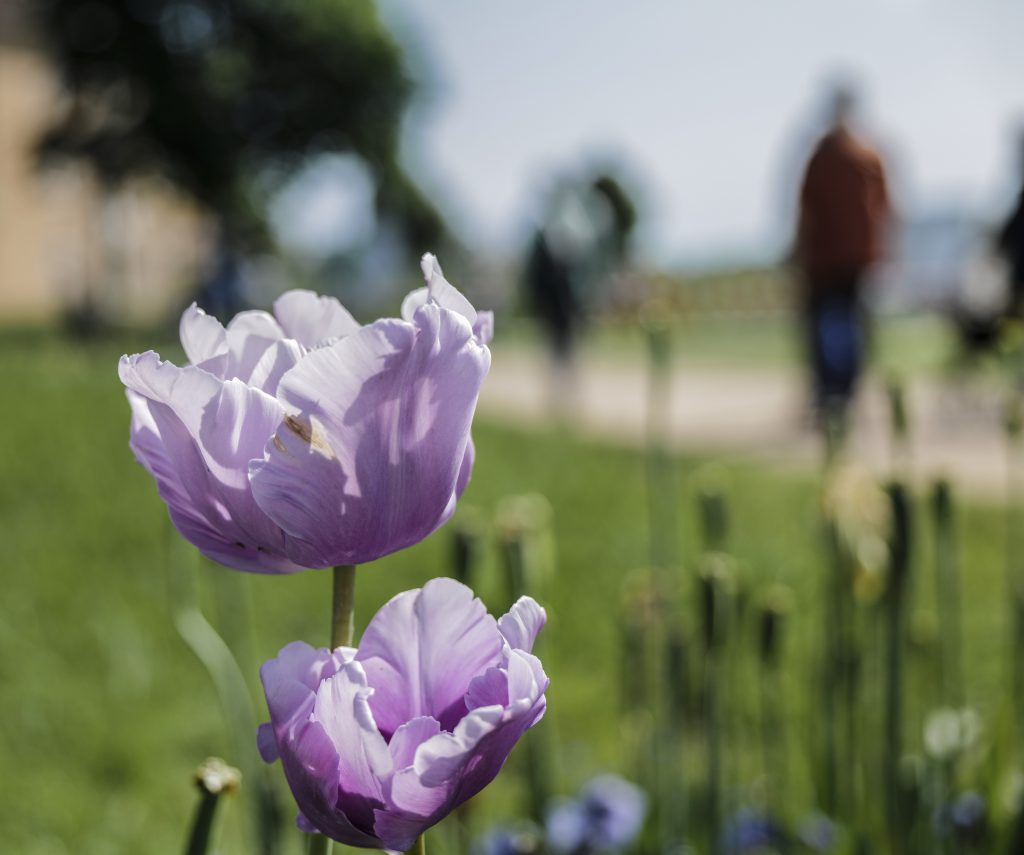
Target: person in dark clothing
{"type": "Point", "coordinates": [549, 279]}
{"type": "Point", "coordinates": [583, 239]}
{"type": "Point", "coordinates": [1011, 244]}
{"type": "Point", "coordinates": [581, 242]}
{"type": "Point", "coordinates": [844, 210]}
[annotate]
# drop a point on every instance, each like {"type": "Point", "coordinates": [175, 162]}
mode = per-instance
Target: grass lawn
{"type": "Point", "coordinates": [106, 711]}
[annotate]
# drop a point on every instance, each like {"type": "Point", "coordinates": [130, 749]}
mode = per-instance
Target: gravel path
{"type": "Point", "coordinates": [752, 413]}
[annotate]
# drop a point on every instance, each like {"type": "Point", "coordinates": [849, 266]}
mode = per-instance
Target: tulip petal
{"type": "Point", "coordinates": [255, 322]}
{"type": "Point", "coordinates": [303, 824]}
{"type": "Point", "coordinates": [250, 334]}
{"type": "Point", "coordinates": [442, 292]}
{"type": "Point", "coordinates": [439, 760]}
{"type": "Point", "coordinates": [422, 649]}
{"type": "Point", "coordinates": [483, 328]}
{"type": "Point", "coordinates": [372, 455]}
{"type": "Point", "coordinates": [446, 295]}
{"type": "Point", "coordinates": [148, 448]}
{"type": "Point", "coordinates": [307, 694]}
{"type": "Point", "coordinates": [466, 469]}
{"type": "Point", "coordinates": [522, 623]}
{"type": "Point", "coordinates": [409, 737]}
{"type": "Point", "coordinates": [275, 362]}
{"type": "Point", "coordinates": [484, 738]}
{"type": "Point", "coordinates": [202, 335]}
{"type": "Point", "coordinates": [488, 689]}
{"type": "Point", "coordinates": [310, 318]}
{"type": "Point", "coordinates": [208, 429]}
{"type": "Point", "coordinates": [310, 762]}
{"type": "Point", "coordinates": [465, 474]}
{"type": "Point", "coordinates": [451, 768]}
{"type": "Point", "coordinates": [290, 681]}
{"type": "Point", "coordinates": [398, 831]}
{"type": "Point", "coordinates": [266, 743]}
{"type": "Point", "coordinates": [166, 449]}
{"type": "Point", "coordinates": [413, 301]}
{"type": "Point", "coordinates": [363, 757]}
{"type": "Point", "coordinates": [170, 455]}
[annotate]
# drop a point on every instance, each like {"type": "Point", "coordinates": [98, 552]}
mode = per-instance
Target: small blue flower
{"type": "Point", "coordinates": [607, 816]}
{"type": "Point", "coordinates": [968, 811]}
{"type": "Point", "coordinates": [817, 832]}
{"type": "Point", "coordinates": [523, 838]}
{"type": "Point", "coordinates": [751, 831]}
{"type": "Point", "coordinates": [965, 818]}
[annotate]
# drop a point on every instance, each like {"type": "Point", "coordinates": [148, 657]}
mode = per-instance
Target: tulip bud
{"type": "Point", "coordinates": [677, 673]}
{"type": "Point", "coordinates": [911, 781]}
{"type": "Point", "coordinates": [639, 617]}
{"type": "Point", "coordinates": [775, 607]}
{"type": "Point", "coordinates": [714, 517]}
{"type": "Point", "coordinates": [524, 531]}
{"type": "Point", "coordinates": [898, 409]}
{"type": "Point", "coordinates": [512, 554]}
{"type": "Point", "coordinates": [717, 584]}
{"type": "Point", "coordinates": [900, 534]}
{"type": "Point", "coordinates": [712, 506]}
{"type": "Point", "coordinates": [213, 778]}
{"type": "Point", "coordinates": [467, 544]}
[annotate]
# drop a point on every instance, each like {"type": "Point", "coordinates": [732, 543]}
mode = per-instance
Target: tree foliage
{"type": "Point", "coordinates": [214, 94]}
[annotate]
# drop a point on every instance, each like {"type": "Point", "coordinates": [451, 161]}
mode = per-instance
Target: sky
{"type": "Point", "coordinates": [710, 103]}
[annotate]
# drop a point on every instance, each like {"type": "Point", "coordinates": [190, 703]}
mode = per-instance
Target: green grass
{"type": "Point", "coordinates": [106, 711]}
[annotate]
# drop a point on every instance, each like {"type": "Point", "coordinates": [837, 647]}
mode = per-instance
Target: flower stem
{"type": "Point", "coordinates": [419, 847]}
{"type": "Point", "coordinates": [343, 610]}
{"type": "Point", "coordinates": [214, 778]}
{"type": "Point", "coordinates": [199, 839]}
{"type": "Point", "coordinates": [319, 845]}
{"type": "Point", "coordinates": [343, 606]}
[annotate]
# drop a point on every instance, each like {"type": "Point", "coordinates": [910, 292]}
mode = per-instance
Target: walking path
{"type": "Point", "coordinates": [753, 413]}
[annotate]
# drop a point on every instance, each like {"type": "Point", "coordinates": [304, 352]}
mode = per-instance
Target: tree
{"type": "Point", "coordinates": [221, 95]}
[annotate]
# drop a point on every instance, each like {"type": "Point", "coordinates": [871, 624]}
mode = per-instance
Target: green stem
{"type": "Point", "coordinates": [228, 677]}
{"type": "Point", "coordinates": [319, 845]}
{"type": "Point", "coordinates": [343, 606]}
{"type": "Point", "coordinates": [343, 611]}
{"type": "Point", "coordinates": [947, 582]}
{"type": "Point", "coordinates": [213, 778]}
{"type": "Point", "coordinates": [419, 847]}
{"type": "Point", "coordinates": [202, 826]}
{"type": "Point", "coordinates": [895, 607]}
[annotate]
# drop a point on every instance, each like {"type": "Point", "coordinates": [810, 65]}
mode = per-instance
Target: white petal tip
{"type": "Point", "coordinates": [429, 266]}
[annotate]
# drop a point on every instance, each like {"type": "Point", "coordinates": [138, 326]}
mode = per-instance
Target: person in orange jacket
{"type": "Point", "coordinates": [844, 211]}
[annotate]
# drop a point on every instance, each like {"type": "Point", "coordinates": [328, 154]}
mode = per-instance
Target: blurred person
{"type": "Point", "coordinates": [844, 211]}
{"type": "Point", "coordinates": [221, 291]}
{"type": "Point", "coordinates": [583, 239]}
{"type": "Point", "coordinates": [555, 251]}
{"type": "Point", "coordinates": [1011, 244]}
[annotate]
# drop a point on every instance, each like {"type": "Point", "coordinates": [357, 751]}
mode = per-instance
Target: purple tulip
{"type": "Point", "coordinates": [381, 742]}
{"type": "Point", "coordinates": [300, 439]}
